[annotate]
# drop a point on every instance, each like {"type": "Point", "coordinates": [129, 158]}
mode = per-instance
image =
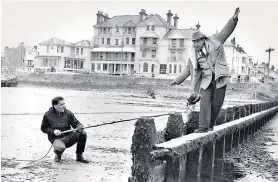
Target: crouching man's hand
{"type": "Point", "coordinates": [80, 128]}
{"type": "Point", "coordinates": [57, 132]}
{"type": "Point", "coordinates": [193, 98]}
{"type": "Point", "coordinates": [173, 83]}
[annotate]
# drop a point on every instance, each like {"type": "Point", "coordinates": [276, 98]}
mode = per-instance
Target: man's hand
{"type": "Point", "coordinates": [173, 83]}
{"type": "Point", "coordinates": [57, 132]}
{"type": "Point", "coordinates": [193, 98]}
{"type": "Point", "coordinates": [80, 128]}
{"type": "Point", "coordinates": [235, 17]}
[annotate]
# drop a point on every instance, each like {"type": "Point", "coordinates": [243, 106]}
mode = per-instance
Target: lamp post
{"type": "Point", "coordinates": [269, 51]}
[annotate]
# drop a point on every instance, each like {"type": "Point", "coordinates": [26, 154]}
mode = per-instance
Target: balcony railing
{"type": "Point", "coordinates": [113, 59]}
{"type": "Point", "coordinates": [175, 59]}
{"type": "Point", "coordinates": [147, 46]}
{"type": "Point", "coordinates": [105, 33]}
{"type": "Point", "coordinates": [129, 33]}
{"type": "Point", "coordinates": [180, 46]}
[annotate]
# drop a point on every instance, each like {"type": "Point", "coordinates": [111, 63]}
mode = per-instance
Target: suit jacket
{"type": "Point", "coordinates": [216, 60]}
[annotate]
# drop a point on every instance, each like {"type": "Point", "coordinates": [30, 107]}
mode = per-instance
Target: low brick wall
{"type": "Point", "coordinates": [174, 155]}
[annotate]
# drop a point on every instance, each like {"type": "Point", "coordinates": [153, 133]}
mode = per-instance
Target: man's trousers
{"type": "Point", "coordinates": [211, 103]}
{"type": "Point", "coordinates": [61, 144]}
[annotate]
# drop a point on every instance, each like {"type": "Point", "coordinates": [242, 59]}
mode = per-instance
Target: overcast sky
{"type": "Point", "coordinates": [33, 22]}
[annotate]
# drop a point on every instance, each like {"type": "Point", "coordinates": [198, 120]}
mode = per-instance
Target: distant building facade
{"type": "Point", "coordinates": [57, 55]}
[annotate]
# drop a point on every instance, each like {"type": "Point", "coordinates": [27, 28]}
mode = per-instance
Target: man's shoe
{"type": "Point", "coordinates": [201, 130]}
{"type": "Point", "coordinates": [57, 158]}
{"type": "Point", "coordinates": [80, 158]}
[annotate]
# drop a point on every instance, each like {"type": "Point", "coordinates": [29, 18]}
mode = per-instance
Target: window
{"type": "Point", "coordinates": [180, 55]}
{"type": "Point", "coordinates": [116, 41]}
{"type": "Point", "coordinates": [152, 27]}
{"type": "Point", "coordinates": [174, 42]}
{"type": "Point", "coordinates": [102, 40]}
{"type": "Point", "coordinates": [173, 56]}
{"type": "Point", "coordinates": [148, 27]}
{"type": "Point", "coordinates": [98, 66]}
{"type": "Point", "coordinates": [62, 49]}
{"type": "Point", "coordinates": [180, 68]}
{"type": "Point", "coordinates": [81, 51]}
{"type": "Point", "coordinates": [105, 67]}
{"type": "Point", "coordinates": [133, 29]}
{"type": "Point", "coordinates": [129, 30]}
{"type": "Point", "coordinates": [57, 49]}
{"type": "Point", "coordinates": [47, 49]}
{"type": "Point", "coordinates": [162, 69]}
{"type": "Point", "coordinates": [170, 68]}
{"type": "Point", "coordinates": [152, 68]}
{"type": "Point", "coordinates": [181, 42]}
{"type": "Point", "coordinates": [175, 68]}
{"type": "Point", "coordinates": [145, 41]}
{"type": "Point", "coordinates": [127, 41]}
{"type": "Point", "coordinates": [154, 40]}
{"type": "Point", "coordinates": [93, 67]}
{"type": "Point", "coordinates": [144, 53]}
{"type": "Point", "coordinates": [133, 41]}
{"type": "Point", "coordinates": [108, 41]}
{"type": "Point", "coordinates": [153, 53]}
{"type": "Point", "coordinates": [145, 67]}
{"type": "Point", "coordinates": [77, 51]}
{"type": "Point", "coordinates": [117, 29]}
{"type": "Point", "coordinates": [243, 69]}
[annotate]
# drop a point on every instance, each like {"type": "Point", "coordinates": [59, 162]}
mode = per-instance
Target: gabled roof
{"type": "Point", "coordinates": [55, 41]}
{"type": "Point", "coordinates": [121, 20]}
{"type": "Point", "coordinates": [83, 43]}
{"type": "Point", "coordinates": [129, 24]}
{"type": "Point", "coordinates": [187, 33]}
{"type": "Point", "coordinates": [157, 19]}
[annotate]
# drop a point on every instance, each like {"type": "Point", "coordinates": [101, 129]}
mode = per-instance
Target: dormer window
{"type": "Point", "coordinates": [117, 29]}
{"type": "Point", "coordinates": [152, 27]}
{"type": "Point", "coordinates": [148, 27]}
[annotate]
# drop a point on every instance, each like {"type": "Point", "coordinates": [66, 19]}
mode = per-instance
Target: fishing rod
{"type": "Point", "coordinates": [83, 113]}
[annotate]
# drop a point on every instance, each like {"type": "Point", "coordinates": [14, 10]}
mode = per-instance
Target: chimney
{"type": "Point", "coordinates": [198, 26]}
{"type": "Point", "coordinates": [176, 20]}
{"type": "Point", "coordinates": [36, 47]}
{"type": "Point", "coordinates": [169, 17]}
{"type": "Point", "coordinates": [99, 17]}
{"type": "Point", "coordinates": [106, 17]}
{"type": "Point", "coordinates": [143, 14]}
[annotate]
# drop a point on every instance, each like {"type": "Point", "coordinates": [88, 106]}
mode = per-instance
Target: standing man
{"type": "Point", "coordinates": [59, 119]}
{"type": "Point", "coordinates": [209, 72]}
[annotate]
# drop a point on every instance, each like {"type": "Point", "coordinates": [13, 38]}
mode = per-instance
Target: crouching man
{"type": "Point", "coordinates": [59, 119]}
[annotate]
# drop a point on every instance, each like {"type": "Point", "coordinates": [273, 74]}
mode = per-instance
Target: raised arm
{"type": "Point", "coordinates": [223, 35]}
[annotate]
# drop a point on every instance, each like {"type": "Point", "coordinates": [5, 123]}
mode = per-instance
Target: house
{"type": "Point", "coordinates": [144, 44]}
{"type": "Point", "coordinates": [21, 58]}
{"type": "Point", "coordinates": [57, 55]}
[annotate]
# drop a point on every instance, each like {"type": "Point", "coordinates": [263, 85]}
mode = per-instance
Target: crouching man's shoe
{"type": "Point", "coordinates": [201, 130]}
{"type": "Point", "coordinates": [57, 157]}
{"type": "Point", "coordinates": [80, 158]}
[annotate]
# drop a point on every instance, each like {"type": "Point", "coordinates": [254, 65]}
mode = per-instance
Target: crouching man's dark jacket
{"type": "Point", "coordinates": [61, 121]}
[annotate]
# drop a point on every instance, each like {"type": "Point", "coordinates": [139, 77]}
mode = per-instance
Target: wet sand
{"type": "Point", "coordinates": [108, 147]}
